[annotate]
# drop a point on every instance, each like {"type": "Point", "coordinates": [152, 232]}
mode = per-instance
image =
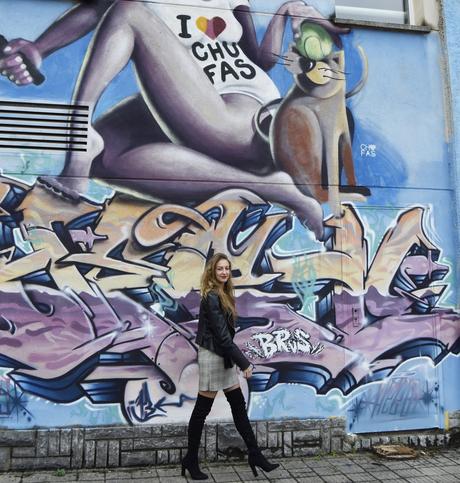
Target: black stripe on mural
{"type": "Point", "coordinates": [34, 133]}
{"type": "Point", "coordinates": [41, 148]}
{"type": "Point", "coordinates": [44, 105]}
{"type": "Point", "coordinates": [33, 125]}
{"type": "Point", "coordinates": [64, 121]}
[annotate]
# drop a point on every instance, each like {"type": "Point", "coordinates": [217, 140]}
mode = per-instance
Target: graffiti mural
{"type": "Point", "coordinates": [243, 133]}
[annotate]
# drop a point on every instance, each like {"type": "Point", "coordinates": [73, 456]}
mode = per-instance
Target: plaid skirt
{"type": "Point", "coordinates": [212, 373]}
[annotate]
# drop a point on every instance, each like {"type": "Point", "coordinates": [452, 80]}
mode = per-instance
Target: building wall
{"type": "Point", "coordinates": [451, 34]}
{"type": "Point", "coordinates": [346, 295]}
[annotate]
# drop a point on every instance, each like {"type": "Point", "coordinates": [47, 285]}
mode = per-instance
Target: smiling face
{"type": "Point", "coordinates": [222, 271]}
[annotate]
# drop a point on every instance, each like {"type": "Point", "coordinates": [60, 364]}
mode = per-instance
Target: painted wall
{"type": "Point", "coordinates": [335, 203]}
{"type": "Point", "coordinates": [452, 31]}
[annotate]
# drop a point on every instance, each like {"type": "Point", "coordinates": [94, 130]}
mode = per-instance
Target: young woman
{"type": "Point", "coordinates": [217, 357]}
{"type": "Point", "coordinates": [202, 75]}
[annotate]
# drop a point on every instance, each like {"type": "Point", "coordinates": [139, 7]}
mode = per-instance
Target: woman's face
{"type": "Point", "coordinates": [222, 271]}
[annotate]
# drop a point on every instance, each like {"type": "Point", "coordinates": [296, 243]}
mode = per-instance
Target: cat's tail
{"type": "Point", "coordinates": [362, 82]}
{"type": "Point", "coordinates": [264, 117]}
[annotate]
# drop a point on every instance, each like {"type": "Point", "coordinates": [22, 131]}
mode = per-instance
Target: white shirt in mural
{"type": "Point", "coordinates": [210, 31]}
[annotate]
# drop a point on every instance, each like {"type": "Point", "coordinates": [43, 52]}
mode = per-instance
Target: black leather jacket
{"type": "Point", "coordinates": [216, 332]}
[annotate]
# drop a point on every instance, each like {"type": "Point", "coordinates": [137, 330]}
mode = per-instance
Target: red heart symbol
{"type": "Point", "coordinates": [212, 28]}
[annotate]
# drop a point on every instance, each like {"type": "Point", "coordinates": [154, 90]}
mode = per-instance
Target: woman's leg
{"type": "Point", "coordinates": [178, 93]}
{"type": "Point", "coordinates": [178, 174]}
{"type": "Point", "coordinates": [201, 410]}
{"type": "Point", "coordinates": [237, 403]}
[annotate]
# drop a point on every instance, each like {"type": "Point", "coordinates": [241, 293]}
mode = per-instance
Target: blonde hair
{"type": "Point", "coordinates": [210, 283]}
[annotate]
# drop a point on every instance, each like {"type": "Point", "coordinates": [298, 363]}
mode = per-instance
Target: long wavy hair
{"type": "Point", "coordinates": [224, 291]}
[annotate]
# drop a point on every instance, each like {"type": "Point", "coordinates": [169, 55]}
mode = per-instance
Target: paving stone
{"type": "Point", "coordinates": [119, 475]}
{"type": "Point", "coordinates": [10, 478]}
{"type": "Point", "coordinates": [280, 472]}
{"type": "Point", "coordinates": [444, 479]}
{"type": "Point", "coordinates": [299, 472]}
{"type": "Point", "coordinates": [279, 480]}
{"type": "Point", "coordinates": [91, 475]}
{"type": "Point", "coordinates": [361, 468]}
{"type": "Point", "coordinates": [228, 468]}
{"type": "Point", "coordinates": [225, 477]}
{"type": "Point", "coordinates": [397, 465]}
{"type": "Point", "coordinates": [420, 479]}
{"type": "Point", "coordinates": [41, 477]}
{"type": "Point", "coordinates": [175, 471]}
{"type": "Point", "coordinates": [454, 470]}
{"type": "Point", "coordinates": [433, 471]}
{"type": "Point", "coordinates": [293, 464]}
{"type": "Point", "coordinates": [361, 477]}
{"type": "Point", "coordinates": [147, 473]}
{"type": "Point", "coordinates": [69, 475]}
{"type": "Point", "coordinates": [335, 478]}
{"type": "Point", "coordinates": [325, 470]}
{"type": "Point", "coordinates": [171, 479]}
{"type": "Point", "coordinates": [307, 479]}
{"type": "Point", "coordinates": [316, 462]}
{"type": "Point", "coordinates": [350, 469]}
{"type": "Point", "coordinates": [409, 473]}
{"type": "Point", "coordinates": [384, 475]}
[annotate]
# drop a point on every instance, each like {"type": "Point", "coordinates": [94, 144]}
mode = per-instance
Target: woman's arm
{"type": "Point", "coordinates": [219, 329]}
{"type": "Point", "coordinates": [74, 24]}
{"type": "Point", "coordinates": [266, 54]}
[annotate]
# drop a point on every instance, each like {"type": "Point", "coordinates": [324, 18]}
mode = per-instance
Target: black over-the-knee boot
{"type": "Point", "coordinates": [241, 420]}
{"type": "Point", "coordinates": [202, 408]}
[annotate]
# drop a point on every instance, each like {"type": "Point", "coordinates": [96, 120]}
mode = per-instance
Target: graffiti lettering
{"type": "Point", "coordinates": [282, 341]}
{"type": "Point", "coordinates": [368, 150]}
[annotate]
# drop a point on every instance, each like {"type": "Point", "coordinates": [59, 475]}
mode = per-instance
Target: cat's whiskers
{"type": "Point", "coordinates": [335, 78]}
{"type": "Point", "coordinates": [334, 71]}
{"type": "Point", "coordinates": [285, 57]}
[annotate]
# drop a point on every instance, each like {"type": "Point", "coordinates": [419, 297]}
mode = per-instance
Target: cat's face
{"type": "Point", "coordinates": [318, 78]}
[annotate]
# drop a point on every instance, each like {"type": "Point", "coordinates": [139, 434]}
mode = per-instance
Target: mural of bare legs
{"type": "Point", "coordinates": [199, 176]}
{"type": "Point", "coordinates": [217, 129]}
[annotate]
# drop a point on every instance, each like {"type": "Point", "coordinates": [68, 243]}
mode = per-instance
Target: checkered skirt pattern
{"type": "Point", "coordinates": [212, 373]}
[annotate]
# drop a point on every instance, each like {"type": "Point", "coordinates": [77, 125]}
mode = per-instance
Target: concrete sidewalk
{"type": "Point", "coordinates": [432, 466]}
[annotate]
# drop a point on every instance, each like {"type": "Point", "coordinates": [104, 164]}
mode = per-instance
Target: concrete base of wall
{"type": "Point", "coordinates": [110, 447]}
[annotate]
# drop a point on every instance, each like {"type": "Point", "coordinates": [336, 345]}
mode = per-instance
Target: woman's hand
{"type": "Point", "coordinates": [299, 12]}
{"type": "Point", "coordinates": [12, 63]}
{"type": "Point", "coordinates": [247, 373]}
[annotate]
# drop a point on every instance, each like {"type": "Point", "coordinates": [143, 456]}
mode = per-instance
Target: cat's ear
{"type": "Point", "coordinates": [291, 60]}
{"type": "Point", "coordinates": [339, 58]}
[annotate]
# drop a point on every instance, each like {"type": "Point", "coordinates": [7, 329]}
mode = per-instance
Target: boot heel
{"type": "Point", "coordinates": [253, 468]}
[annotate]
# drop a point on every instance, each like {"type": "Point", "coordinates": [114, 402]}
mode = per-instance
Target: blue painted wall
{"type": "Point", "coordinates": [99, 295]}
